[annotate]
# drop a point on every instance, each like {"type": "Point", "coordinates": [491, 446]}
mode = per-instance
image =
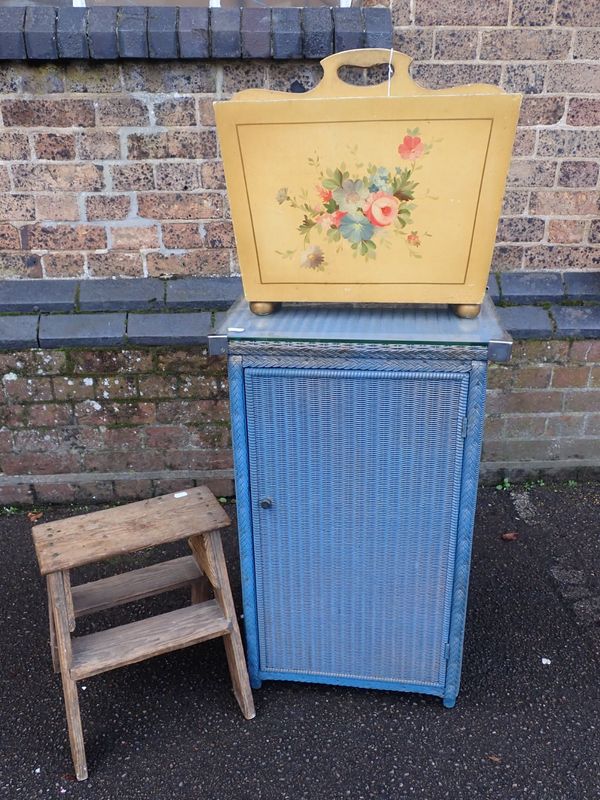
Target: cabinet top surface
{"type": "Point", "coordinates": [383, 324]}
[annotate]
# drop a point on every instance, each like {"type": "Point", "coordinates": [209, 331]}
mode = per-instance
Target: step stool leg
{"type": "Point", "coordinates": [208, 549]}
{"type": "Point", "coordinates": [56, 588]}
{"type": "Point", "coordinates": [200, 590]}
{"type": "Point", "coordinates": [66, 576]}
{"type": "Point", "coordinates": [53, 648]}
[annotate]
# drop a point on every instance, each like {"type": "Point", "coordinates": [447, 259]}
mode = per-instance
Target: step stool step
{"type": "Point", "coordinates": [136, 584]}
{"type": "Point", "coordinates": [117, 647]}
{"type": "Point", "coordinates": [67, 543]}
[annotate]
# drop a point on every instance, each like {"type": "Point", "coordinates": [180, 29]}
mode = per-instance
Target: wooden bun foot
{"type": "Point", "coordinates": [261, 308]}
{"type": "Point", "coordinates": [466, 311]}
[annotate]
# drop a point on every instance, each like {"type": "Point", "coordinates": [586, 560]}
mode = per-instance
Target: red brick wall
{"type": "Point", "coordinates": [98, 425]}
{"type": "Point", "coordinates": [104, 424]}
{"type": "Point", "coordinates": [113, 169]}
{"type": "Point", "coordinates": [543, 410]}
{"type": "Point", "coordinates": [550, 51]}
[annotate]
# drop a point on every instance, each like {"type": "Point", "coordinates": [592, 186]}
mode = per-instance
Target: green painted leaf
{"type": "Point", "coordinates": [306, 226]}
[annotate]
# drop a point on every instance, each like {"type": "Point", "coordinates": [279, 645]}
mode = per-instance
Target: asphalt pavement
{"type": "Point", "coordinates": [526, 724]}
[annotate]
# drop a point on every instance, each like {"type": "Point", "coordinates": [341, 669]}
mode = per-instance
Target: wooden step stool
{"type": "Point", "coordinates": [194, 514]}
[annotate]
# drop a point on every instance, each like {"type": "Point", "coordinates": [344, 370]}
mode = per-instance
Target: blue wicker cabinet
{"type": "Point", "coordinates": [357, 437]}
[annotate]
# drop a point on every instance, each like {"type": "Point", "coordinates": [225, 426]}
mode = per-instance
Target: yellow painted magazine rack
{"type": "Point", "coordinates": [385, 194]}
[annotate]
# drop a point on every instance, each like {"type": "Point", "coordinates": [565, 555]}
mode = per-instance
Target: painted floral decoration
{"type": "Point", "coordinates": [359, 211]}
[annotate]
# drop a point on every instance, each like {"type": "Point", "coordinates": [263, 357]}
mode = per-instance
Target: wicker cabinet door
{"type": "Point", "coordinates": [355, 484]}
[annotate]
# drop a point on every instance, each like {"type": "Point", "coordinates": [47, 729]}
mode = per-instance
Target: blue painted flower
{"type": "Point", "coordinates": [350, 195]}
{"type": "Point", "coordinates": [356, 227]}
{"type": "Point", "coordinates": [380, 181]}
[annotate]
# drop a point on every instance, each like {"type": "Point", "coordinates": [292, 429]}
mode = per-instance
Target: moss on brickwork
{"type": "Point", "coordinates": [543, 412]}
{"type": "Point", "coordinates": [80, 412]}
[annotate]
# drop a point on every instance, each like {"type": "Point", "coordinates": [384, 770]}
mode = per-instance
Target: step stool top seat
{"type": "Point", "coordinates": [75, 541]}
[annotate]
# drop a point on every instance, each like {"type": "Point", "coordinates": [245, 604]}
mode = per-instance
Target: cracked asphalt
{"type": "Point", "coordinates": [526, 724]}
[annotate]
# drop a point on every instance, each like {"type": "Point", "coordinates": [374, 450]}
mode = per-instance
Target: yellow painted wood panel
{"type": "Point", "coordinates": [346, 193]}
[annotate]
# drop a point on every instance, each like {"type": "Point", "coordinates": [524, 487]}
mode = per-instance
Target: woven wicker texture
{"type": "Point", "coordinates": [366, 356]}
{"type": "Point", "coordinates": [354, 558]}
{"type": "Point", "coordinates": [468, 499]}
{"type": "Point", "coordinates": [244, 512]}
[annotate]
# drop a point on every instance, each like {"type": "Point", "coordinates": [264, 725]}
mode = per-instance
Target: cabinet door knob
{"type": "Point", "coordinates": [266, 502]}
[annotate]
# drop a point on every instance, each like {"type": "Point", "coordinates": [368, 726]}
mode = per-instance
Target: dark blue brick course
{"type": "Point", "coordinates": [526, 322]}
{"type": "Point", "coordinates": [317, 27]}
{"type": "Point", "coordinates": [256, 33]}
{"type": "Point", "coordinates": [582, 285]}
{"type": "Point", "coordinates": [121, 294]}
{"type": "Point", "coordinates": [40, 33]}
{"type": "Point", "coordinates": [378, 27]}
{"type": "Point", "coordinates": [82, 330]}
{"type": "Point", "coordinates": [102, 32]}
{"type": "Point", "coordinates": [132, 32]}
{"type": "Point", "coordinates": [18, 332]}
{"type": "Point", "coordinates": [578, 321]}
{"type": "Point", "coordinates": [12, 41]}
{"type": "Point", "coordinates": [225, 36]}
{"type": "Point", "coordinates": [162, 32]}
{"type": "Point", "coordinates": [71, 36]}
{"type": "Point", "coordinates": [203, 292]}
{"type": "Point", "coordinates": [287, 33]}
{"type": "Point", "coordinates": [349, 29]}
{"type": "Point", "coordinates": [192, 30]}
{"type": "Point", "coordinates": [167, 32]}
{"type": "Point", "coordinates": [492, 288]}
{"type": "Point", "coordinates": [37, 295]}
{"type": "Point", "coordinates": [531, 287]}
{"type": "Point", "coordinates": [210, 294]}
{"type": "Point", "coordinates": [165, 329]}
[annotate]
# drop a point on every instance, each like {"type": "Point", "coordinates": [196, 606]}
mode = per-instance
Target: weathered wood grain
{"type": "Point", "coordinates": [208, 549]}
{"type": "Point", "coordinates": [92, 537]}
{"type": "Point", "coordinates": [56, 589]}
{"type": "Point", "coordinates": [53, 647]}
{"type": "Point", "coordinates": [127, 644]}
{"type": "Point", "coordinates": [195, 515]}
{"type": "Point", "coordinates": [66, 576]}
{"type": "Point", "coordinates": [88, 598]}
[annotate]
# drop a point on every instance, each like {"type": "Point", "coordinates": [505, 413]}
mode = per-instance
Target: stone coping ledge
{"type": "Point", "coordinates": [173, 312]}
{"type": "Point", "coordinates": [118, 294]}
{"type": "Point", "coordinates": [41, 33]}
{"type": "Point", "coordinates": [523, 288]}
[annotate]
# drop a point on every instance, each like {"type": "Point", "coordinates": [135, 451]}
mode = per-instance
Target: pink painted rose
{"type": "Point", "coordinates": [413, 239]}
{"type": "Point", "coordinates": [381, 209]}
{"type": "Point", "coordinates": [337, 217]}
{"type": "Point", "coordinates": [411, 148]}
{"type": "Point", "coordinates": [324, 194]}
{"type": "Point", "coordinates": [331, 220]}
